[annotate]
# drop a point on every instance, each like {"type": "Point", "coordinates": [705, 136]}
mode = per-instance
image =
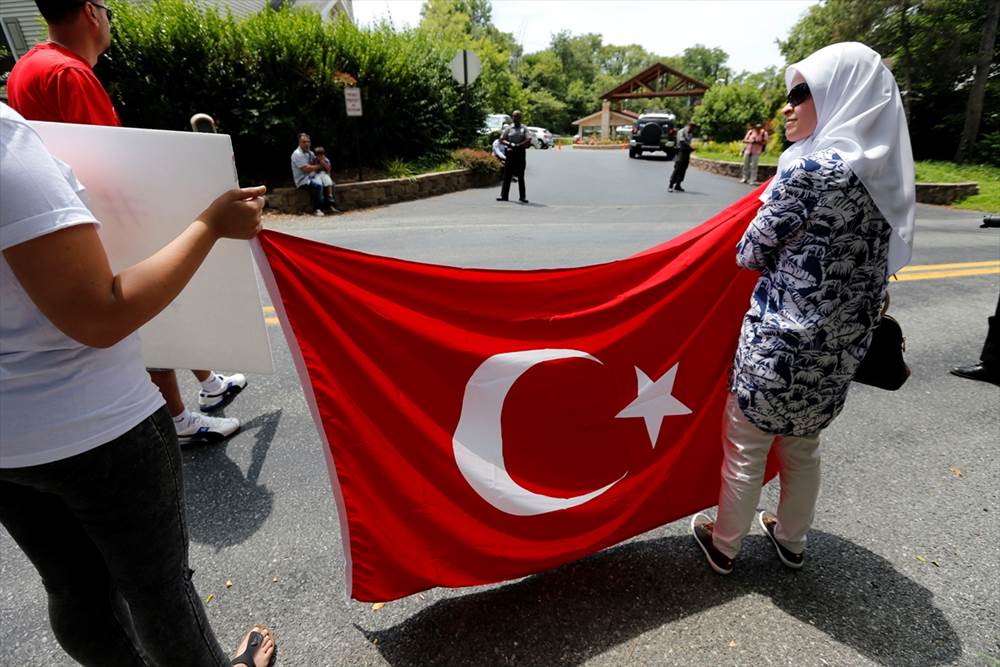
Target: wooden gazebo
{"type": "Point", "coordinates": [605, 118]}
{"type": "Point", "coordinates": [657, 80]}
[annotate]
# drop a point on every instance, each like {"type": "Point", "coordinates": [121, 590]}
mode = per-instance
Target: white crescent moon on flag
{"type": "Point", "coordinates": [478, 439]}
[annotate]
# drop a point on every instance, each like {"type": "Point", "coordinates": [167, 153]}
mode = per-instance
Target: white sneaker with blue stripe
{"type": "Point", "coordinates": [231, 386]}
{"type": "Point", "coordinates": [202, 429]}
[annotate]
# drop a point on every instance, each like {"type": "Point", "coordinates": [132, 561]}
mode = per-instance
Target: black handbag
{"type": "Point", "coordinates": [883, 365]}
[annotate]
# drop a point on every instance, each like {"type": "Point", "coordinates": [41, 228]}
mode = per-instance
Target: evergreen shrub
{"type": "Point", "coordinates": [277, 73]}
{"type": "Point", "coordinates": [480, 162]}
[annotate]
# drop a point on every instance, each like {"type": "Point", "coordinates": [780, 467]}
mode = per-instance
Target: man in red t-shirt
{"type": "Point", "coordinates": [55, 82]}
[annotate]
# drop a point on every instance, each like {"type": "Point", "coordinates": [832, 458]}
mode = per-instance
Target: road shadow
{"type": "Point", "coordinates": [224, 506]}
{"type": "Point", "coordinates": [687, 193]}
{"type": "Point", "coordinates": [583, 609]}
{"type": "Point", "coordinates": [653, 158]}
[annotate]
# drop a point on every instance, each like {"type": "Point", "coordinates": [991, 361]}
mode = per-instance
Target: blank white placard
{"type": "Point", "coordinates": [145, 187]}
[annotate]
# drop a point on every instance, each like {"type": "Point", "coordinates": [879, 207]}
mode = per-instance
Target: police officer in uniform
{"type": "Point", "coordinates": [516, 139]}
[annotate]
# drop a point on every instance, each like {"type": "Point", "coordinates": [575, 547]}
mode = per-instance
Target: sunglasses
{"type": "Point", "coordinates": [799, 94]}
{"type": "Point", "coordinates": [104, 7]}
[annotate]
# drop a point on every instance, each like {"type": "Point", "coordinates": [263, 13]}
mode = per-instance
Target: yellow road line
{"type": "Point", "coordinates": [271, 321]}
{"type": "Point", "coordinates": [268, 309]}
{"type": "Point", "coordinates": [937, 267]}
{"type": "Point", "coordinates": [932, 275]}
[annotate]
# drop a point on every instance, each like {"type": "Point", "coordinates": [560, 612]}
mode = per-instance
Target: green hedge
{"type": "Point", "coordinates": [268, 77]}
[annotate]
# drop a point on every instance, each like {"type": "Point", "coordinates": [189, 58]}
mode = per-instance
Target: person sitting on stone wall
{"type": "Point", "coordinates": [304, 169]}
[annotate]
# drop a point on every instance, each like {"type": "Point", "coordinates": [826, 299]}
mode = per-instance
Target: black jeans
{"type": "Point", "coordinates": [990, 356]}
{"type": "Point", "coordinates": [317, 196]}
{"type": "Point", "coordinates": [107, 533]}
{"type": "Point", "coordinates": [514, 167]}
{"type": "Point", "coordinates": [680, 167]}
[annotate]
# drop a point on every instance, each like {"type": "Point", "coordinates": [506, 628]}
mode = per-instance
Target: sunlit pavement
{"type": "Point", "coordinates": [903, 565]}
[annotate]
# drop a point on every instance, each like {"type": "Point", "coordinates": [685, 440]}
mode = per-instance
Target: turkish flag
{"type": "Point", "coordinates": [483, 425]}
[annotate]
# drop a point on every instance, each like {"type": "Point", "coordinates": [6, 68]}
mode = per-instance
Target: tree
{"type": "Point", "coordinates": [578, 53]}
{"type": "Point", "coordinates": [770, 81]}
{"type": "Point", "coordinates": [621, 62]}
{"type": "Point", "coordinates": [454, 19]}
{"type": "Point", "coordinates": [726, 111]}
{"type": "Point", "coordinates": [544, 70]}
{"type": "Point", "coordinates": [934, 48]}
{"type": "Point", "coordinates": [466, 24]}
{"type": "Point", "coordinates": [545, 109]}
{"type": "Point", "coordinates": [705, 64]}
{"type": "Point", "coordinates": [978, 91]}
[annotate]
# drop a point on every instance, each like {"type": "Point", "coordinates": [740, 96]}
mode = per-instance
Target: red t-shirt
{"type": "Point", "coordinates": [54, 84]}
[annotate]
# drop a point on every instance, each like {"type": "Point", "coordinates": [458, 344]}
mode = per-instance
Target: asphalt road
{"type": "Point", "coordinates": [904, 559]}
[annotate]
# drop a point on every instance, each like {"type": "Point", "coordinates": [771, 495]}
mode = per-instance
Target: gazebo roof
{"type": "Point", "coordinates": [617, 117]}
{"type": "Point", "coordinates": [642, 85]}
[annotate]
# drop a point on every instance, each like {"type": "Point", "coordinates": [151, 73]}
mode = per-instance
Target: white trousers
{"type": "Point", "coordinates": [745, 449]}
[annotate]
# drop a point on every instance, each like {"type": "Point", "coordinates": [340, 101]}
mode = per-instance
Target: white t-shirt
{"type": "Point", "coordinates": [58, 397]}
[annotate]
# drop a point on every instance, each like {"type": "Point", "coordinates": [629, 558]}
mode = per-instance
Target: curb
{"type": "Point", "coordinates": [731, 169]}
{"type": "Point", "coordinates": [926, 193]}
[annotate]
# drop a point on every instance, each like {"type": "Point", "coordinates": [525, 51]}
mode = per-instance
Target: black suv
{"type": "Point", "coordinates": [653, 132]}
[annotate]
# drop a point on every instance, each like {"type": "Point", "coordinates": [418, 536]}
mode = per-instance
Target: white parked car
{"type": "Point", "coordinates": [496, 122]}
{"type": "Point", "coordinates": [540, 137]}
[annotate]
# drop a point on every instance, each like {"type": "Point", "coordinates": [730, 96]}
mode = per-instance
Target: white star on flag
{"type": "Point", "coordinates": [654, 402]}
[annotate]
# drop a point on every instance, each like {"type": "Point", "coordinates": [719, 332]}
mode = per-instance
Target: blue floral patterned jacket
{"type": "Point", "coordinates": [821, 246]}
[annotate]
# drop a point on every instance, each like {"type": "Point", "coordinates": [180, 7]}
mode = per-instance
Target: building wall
{"type": "Point", "coordinates": [23, 26]}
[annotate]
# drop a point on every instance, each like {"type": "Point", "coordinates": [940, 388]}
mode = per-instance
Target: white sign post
{"type": "Point", "coordinates": [466, 67]}
{"type": "Point", "coordinates": [352, 101]}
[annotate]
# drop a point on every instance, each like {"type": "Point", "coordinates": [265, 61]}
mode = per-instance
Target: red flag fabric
{"type": "Point", "coordinates": [483, 425]}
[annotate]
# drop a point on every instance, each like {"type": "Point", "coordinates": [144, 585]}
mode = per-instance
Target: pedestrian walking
{"type": "Point", "coordinates": [754, 144]}
{"type": "Point", "coordinates": [683, 157]}
{"type": "Point", "coordinates": [516, 138]}
{"type": "Point", "coordinates": [835, 222]}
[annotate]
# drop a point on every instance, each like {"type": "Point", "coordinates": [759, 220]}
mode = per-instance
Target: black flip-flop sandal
{"type": "Point", "coordinates": [253, 645]}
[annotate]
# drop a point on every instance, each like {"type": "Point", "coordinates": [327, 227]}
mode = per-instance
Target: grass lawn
{"type": "Point", "coordinates": [928, 171]}
{"type": "Point", "coordinates": [766, 158]}
{"type": "Point", "coordinates": [988, 199]}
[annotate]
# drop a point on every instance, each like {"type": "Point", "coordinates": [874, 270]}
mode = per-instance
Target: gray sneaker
{"type": "Point", "coordinates": [767, 523]}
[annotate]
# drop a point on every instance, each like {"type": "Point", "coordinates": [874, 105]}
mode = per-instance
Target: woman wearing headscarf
{"type": "Point", "coordinates": [835, 223]}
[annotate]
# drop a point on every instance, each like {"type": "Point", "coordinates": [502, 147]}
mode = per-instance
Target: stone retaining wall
{"type": "Point", "coordinates": [731, 169]}
{"type": "Point", "coordinates": [384, 191]}
{"type": "Point", "coordinates": [927, 193]}
{"type": "Point", "coordinates": [599, 147]}
{"type": "Point", "coordinates": [945, 193]}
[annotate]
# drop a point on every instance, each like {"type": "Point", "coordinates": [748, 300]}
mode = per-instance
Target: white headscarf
{"type": "Point", "coordinates": [860, 114]}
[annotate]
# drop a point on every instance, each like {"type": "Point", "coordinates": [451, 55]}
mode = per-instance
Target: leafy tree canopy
{"type": "Point", "coordinates": [932, 47]}
{"type": "Point", "coordinates": [726, 111]}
